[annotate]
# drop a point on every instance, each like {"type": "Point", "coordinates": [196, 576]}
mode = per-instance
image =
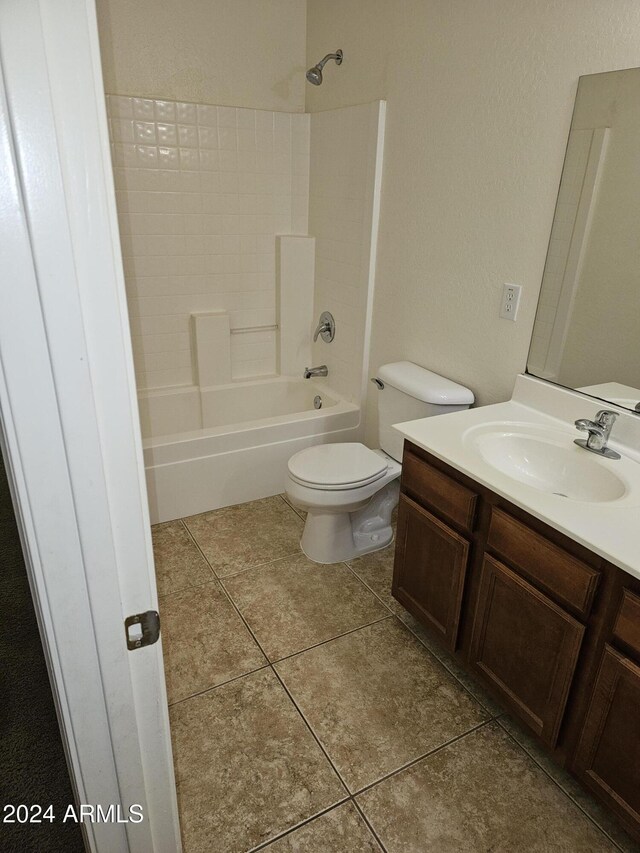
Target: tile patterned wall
{"type": "Point", "coordinates": [202, 191]}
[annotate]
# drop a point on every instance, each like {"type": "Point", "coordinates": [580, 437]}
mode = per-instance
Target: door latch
{"type": "Point", "coordinates": [142, 629]}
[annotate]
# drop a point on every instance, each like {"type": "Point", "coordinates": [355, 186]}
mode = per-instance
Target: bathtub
{"type": "Point", "coordinates": [205, 448]}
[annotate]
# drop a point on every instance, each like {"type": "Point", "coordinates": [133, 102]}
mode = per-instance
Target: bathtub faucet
{"type": "Point", "coordinates": [323, 370]}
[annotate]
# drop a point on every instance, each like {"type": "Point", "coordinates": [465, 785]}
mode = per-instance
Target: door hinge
{"type": "Point", "coordinates": [142, 629]}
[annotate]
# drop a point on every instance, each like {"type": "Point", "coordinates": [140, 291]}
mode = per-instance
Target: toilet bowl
{"type": "Point", "coordinates": [350, 491]}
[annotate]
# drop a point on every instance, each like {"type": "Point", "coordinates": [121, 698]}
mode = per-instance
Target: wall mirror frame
{"type": "Point", "coordinates": [586, 334]}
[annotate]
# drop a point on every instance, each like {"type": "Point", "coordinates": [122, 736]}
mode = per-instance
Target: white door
{"type": "Point", "coordinates": [69, 420]}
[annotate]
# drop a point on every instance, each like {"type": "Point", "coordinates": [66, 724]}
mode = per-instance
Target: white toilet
{"type": "Point", "coordinates": [349, 491]}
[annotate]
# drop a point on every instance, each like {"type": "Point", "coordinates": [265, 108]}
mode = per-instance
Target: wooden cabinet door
{"type": "Point", "coordinates": [429, 570]}
{"type": "Point", "coordinates": [608, 753]}
{"type": "Point", "coordinates": [525, 646]}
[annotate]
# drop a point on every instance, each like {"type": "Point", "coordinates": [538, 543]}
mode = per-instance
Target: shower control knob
{"type": "Point", "coordinates": [326, 328]}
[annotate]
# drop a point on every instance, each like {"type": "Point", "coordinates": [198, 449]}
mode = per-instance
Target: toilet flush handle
{"type": "Point", "coordinates": [377, 382]}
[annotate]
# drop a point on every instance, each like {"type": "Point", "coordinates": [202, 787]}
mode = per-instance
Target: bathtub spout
{"type": "Point", "coordinates": [323, 370]}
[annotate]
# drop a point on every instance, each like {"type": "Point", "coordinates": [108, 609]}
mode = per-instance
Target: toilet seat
{"type": "Point", "coordinates": [335, 467]}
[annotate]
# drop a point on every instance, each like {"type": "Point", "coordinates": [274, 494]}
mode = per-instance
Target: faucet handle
{"type": "Point", "coordinates": [606, 418]}
{"type": "Point", "coordinates": [326, 328]}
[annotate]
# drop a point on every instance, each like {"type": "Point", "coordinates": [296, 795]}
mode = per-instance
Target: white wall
{"type": "Point", "coordinates": [479, 99]}
{"type": "Point", "coordinates": [202, 192]}
{"type": "Point", "coordinates": [243, 53]}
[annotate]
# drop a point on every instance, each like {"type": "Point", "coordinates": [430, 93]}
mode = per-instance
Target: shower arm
{"type": "Point", "coordinates": [337, 56]}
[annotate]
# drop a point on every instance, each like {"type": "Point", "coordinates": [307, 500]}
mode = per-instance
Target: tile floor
{"type": "Point", "coordinates": [311, 714]}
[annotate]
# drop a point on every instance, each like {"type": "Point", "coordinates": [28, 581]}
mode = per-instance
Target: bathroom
{"type": "Point", "coordinates": [333, 217]}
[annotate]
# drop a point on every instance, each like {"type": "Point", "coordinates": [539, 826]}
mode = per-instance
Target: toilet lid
{"type": "Point", "coordinates": [334, 466]}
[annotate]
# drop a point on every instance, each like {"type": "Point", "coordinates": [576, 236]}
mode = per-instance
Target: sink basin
{"type": "Point", "coordinates": [547, 460]}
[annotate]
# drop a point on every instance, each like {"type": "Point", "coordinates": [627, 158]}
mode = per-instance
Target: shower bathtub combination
{"type": "Point", "coordinates": [213, 447]}
{"type": "Point", "coordinates": [234, 243]}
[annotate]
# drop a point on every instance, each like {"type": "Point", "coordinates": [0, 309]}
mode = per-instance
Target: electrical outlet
{"type": "Point", "coordinates": [510, 301]}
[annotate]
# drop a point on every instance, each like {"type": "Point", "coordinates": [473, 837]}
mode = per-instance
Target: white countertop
{"type": "Point", "coordinates": [610, 529]}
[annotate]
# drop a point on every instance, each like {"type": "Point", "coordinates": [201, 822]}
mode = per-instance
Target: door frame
{"type": "Point", "coordinates": [69, 420]}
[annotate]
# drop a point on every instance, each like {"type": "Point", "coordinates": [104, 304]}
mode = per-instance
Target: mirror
{"type": "Point", "coordinates": [586, 334]}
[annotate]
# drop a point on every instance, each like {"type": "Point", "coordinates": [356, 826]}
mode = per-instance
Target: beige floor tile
{"type": "Point", "coordinates": [246, 535]}
{"type": "Point", "coordinates": [205, 642]}
{"type": "Point", "coordinates": [447, 659]}
{"type": "Point", "coordinates": [179, 564]}
{"type": "Point", "coordinates": [377, 699]}
{"type": "Point", "coordinates": [293, 604]}
{"type": "Point", "coordinates": [247, 767]}
{"type": "Point", "coordinates": [597, 812]}
{"type": "Point", "coordinates": [341, 830]}
{"type": "Point", "coordinates": [376, 570]}
{"type": "Point", "coordinates": [479, 794]}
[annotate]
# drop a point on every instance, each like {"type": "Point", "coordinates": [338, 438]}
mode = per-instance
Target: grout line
{"type": "Point", "coordinates": [442, 663]}
{"type": "Point", "coordinates": [235, 607]}
{"type": "Point", "coordinates": [372, 591]}
{"type": "Point", "coordinates": [300, 825]}
{"type": "Point", "coordinates": [240, 571]}
{"type": "Point", "coordinates": [291, 506]}
{"type": "Point", "coordinates": [259, 565]}
{"type": "Point", "coordinates": [368, 824]}
{"type": "Point", "coordinates": [280, 681]}
{"type": "Point", "coordinates": [420, 640]}
{"type": "Point", "coordinates": [314, 735]}
{"type": "Point", "coordinates": [558, 784]}
{"type": "Point", "coordinates": [350, 796]}
{"type": "Point", "coordinates": [331, 639]}
{"type": "Point", "coordinates": [420, 758]}
{"type": "Point", "coordinates": [192, 538]}
{"type": "Point", "coordinates": [184, 589]}
{"type": "Point", "coordinates": [295, 705]}
{"type": "Point", "coordinates": [215, 686]}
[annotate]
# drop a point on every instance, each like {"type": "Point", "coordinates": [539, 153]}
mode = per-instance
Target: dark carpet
{"type": "Point", "coordinates": [32, 762]}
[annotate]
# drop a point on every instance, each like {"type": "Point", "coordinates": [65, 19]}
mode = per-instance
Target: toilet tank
{"type": "Point", "coordinates": [410, 392]}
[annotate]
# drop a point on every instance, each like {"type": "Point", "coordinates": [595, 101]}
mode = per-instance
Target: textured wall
{"type": "Point", "coordinates": [479, 107]}
{"type": "Point", "coordinates": [241, 53]}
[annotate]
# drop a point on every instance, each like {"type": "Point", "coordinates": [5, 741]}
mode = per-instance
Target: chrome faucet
{"type": "Point", "coordinates": [326, 328]}
{"type": "Point", "coordinates": [323, 370]}
{"type": "Point", "coordinates": [599, 432]}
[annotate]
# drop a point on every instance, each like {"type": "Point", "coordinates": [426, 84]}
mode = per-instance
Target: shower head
{"type": "Point", "coordinates": [314, 75]}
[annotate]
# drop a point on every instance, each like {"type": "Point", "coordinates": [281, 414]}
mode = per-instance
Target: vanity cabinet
{"type": "Point", "coordinates": [551, 629]}
{"type": "Point", "coordinates": [608, 754]}
{"type": "Point", "coordinates": [607, 757]}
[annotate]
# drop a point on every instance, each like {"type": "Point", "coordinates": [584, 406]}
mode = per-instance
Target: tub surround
{"type": "Point", "coordinates": [295, 259]}
{"type": "Point", "coordinates": [202, 191]}
{"type": "Point", "coordinates": [608, 528]}
{"type": "Point", "coordinates": [345, 183]}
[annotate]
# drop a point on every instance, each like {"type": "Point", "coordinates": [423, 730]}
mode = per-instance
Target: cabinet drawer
{"type": "Point", "coordinates": [446, 496]}
{"type": "Point", "coordinates": [569, 580]}
{"type": "Point", "coordinates": [525, 646]}
{"type": "Point", "coordinates": [627, 627]}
